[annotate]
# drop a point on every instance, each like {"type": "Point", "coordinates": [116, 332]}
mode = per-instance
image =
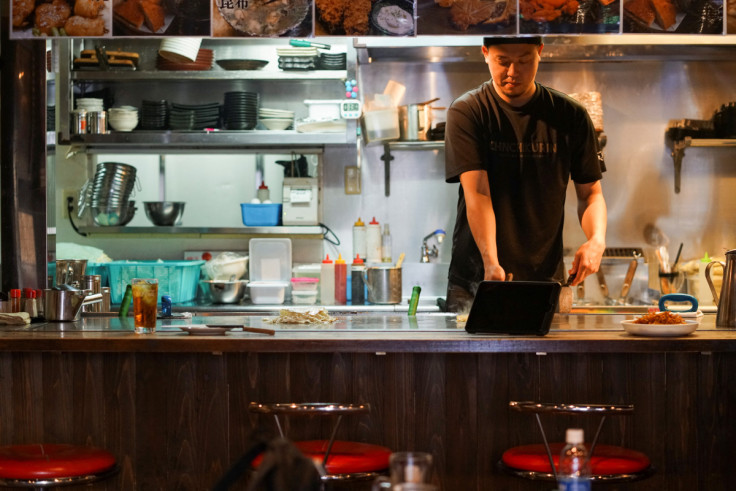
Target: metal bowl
{"type": "Point", "coordinates": [113, 215]}
{"type": "Point", "coordinates": [225, 291]}
{"type": "Point", "coordinates": [164, 213]}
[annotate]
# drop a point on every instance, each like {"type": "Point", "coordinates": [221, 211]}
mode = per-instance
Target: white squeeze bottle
{"type": "Point", "coordinates": [359, 244]}
{"type": "Point", "coordinates": [327, 282]}
{"type": "Point", "coordinates": [574, 471]}
{"type": "Point", "coordinates": [373, 241]}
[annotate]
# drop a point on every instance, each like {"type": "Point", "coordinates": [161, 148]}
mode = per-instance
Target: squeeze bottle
{"type": "Point", "coordinates": [373, 241]}
{"type": "Point", "coordinates": [263, 194]}
{"type": "Point", "coordinates": [341, 274]}
{"type": "Point", "coordinates": [386, 244]}
{"type": "Point", "coordinates": [357, 284]}
{"type": "Point", "coordinates": [327, 281]}
{"type": "Point", "coordinates": [704, 295]}
{"type": "Point", "coordinates": [359, 245]}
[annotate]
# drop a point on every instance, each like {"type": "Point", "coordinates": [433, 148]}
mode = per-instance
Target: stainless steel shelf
{"type": "Point", "coordinates": [207, 75]}
{"type": "Point", "coordinates": [305, 231]}
{"type": "Point", "coordinates": [679, 146]}
{"type": "Point", "coordinates": [219, 138]}
{"type": "Point", "coordinates": [403, 145]}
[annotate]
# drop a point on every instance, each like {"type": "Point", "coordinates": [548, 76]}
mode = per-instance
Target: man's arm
{"type": "Point", "coordinates": [593, 217]}
{"type": "Point", "coordinates": [482, 220]}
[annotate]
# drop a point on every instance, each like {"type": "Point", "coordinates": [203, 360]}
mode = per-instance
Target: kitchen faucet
{"type": "Point", "coordinates": [439, 235]}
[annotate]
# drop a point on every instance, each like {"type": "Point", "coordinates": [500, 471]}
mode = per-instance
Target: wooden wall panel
{"type": "Point", "coordinates": [178, 421]}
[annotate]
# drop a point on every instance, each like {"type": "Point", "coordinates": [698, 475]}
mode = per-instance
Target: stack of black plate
{"type": "Point", "coordinates": [241, 110]}
{"type": "Point", "coordinates": [205, 115]}
{"type": "Point", "coordinates": [181, 119]}
{"type": "Point", "coordinates": [50, 118]}
{"type": "Point", "coordinates": [154, 115]}
{"type": "Point", "coordinates": [331, 61]}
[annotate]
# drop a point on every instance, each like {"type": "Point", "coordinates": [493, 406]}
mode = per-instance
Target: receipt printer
{"type": "Point", "coordinates": [300, 201]}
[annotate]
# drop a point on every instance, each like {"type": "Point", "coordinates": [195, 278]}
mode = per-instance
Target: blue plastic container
{"type": "Point", "coordinates": [179, 279]}
{"type": "Point", "coordinates": [261, 214]}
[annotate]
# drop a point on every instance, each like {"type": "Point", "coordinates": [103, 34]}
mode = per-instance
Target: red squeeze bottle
{"type": "Point", "coordinates": [15, 300]}
{"type": "Point", "coordinates": [341, 280]}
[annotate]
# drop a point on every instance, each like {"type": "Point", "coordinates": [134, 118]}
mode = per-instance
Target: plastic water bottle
{"type": "Point", "coordinates": [574, 471]}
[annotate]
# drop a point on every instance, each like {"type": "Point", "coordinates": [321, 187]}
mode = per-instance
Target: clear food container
{"type": "Point", "coordinates": [304, 284]}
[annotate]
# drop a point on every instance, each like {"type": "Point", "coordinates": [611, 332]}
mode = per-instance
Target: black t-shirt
{"type": "Point", "coordinates": [529, 153]}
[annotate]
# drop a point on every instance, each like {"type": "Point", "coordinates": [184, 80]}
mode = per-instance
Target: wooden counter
{"type": "Point", "coordinates": [172, 406]}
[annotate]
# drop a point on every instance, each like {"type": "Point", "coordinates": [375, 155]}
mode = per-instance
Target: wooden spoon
{"type": "Point", "coordinates": [401, 260]}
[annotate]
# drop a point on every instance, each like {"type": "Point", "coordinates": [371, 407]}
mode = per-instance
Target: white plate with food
{"type": "Point", "coordinates": [660, 324]}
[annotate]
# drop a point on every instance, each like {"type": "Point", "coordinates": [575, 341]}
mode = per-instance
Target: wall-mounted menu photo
{"type": "Point", "coordinates": [262, 18]}
{"type": "Point", "coordinates": [472, 17]}
{"type": "Point", "coordinates": [569, 16]}
{"type": "Point", "coordinates": [731, 17]}
{"type": "Point", "coordinates": [161, 18]}
{"type": "Point", "coordinates": [673, 16]}
{"type": "Point", "coordinates": [54, 18]}
{"type": "Point", "coordinates": [365, 18]}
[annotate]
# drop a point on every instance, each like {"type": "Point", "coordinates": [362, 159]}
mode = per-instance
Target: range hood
{"type": "Point", "coordinates": [558, 48]}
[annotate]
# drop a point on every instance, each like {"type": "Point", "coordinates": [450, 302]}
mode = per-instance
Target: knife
{"type": "Point", "coordinates": [257, 330]}
{"type": "Point", "coordinates": [565, 302]}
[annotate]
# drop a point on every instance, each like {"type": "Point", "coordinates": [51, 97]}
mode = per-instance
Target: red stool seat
{"type": "Point", "coordinates": [51, 461]}
{"type": "Point", "coordinates": [345, 457]}
{"type": "Point", "coordinates": [606, 460]}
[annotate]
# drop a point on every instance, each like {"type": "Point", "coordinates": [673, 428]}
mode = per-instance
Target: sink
{"type": "Point", "coordinates": [432, 277]}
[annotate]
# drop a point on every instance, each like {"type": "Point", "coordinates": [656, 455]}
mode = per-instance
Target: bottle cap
{"type": "Point", "coordinates": [359, 223]}
{"type": "Point", "coordinates": [385, 229]}
{"type": "Point", "coordinates": [327, 259]}
{"type": "Point", "coordinates": [373, 222]}
{"type": "Point", "coordinates": [15, 293]}
{"type": "Point", "coordinates": [263, 185]}
{"type": "Point", "coordinates": [705, 259]}
{"type": "Point", "coordinates": [574, 436]}
{"type": "Point", "coordinates": [339, 259]}
{"type": "Point", "coordinates": [358, 259]}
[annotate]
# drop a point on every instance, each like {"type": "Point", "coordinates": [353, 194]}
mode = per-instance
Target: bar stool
{"type": "Point", "coordinates": [608, 463]}
{"type": "Point", "coordinates": [46, 465]}
{"type": "Point", "coordinates": [342, 461]}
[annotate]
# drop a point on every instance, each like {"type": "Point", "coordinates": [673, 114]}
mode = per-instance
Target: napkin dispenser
{"type": "Point", "coordinates": [300, 199]}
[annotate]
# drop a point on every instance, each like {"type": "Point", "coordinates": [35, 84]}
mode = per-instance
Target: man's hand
{"type": "Point", "coordinates": [494, 272]}
{"type": "Point", "coordinates": [587, 260]}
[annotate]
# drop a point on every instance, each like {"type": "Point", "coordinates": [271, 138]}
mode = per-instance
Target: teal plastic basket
{"type": "Point", "coordinates": [179, 279]}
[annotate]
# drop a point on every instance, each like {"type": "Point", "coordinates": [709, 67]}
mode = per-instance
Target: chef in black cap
{"type": "Point", "coordinates": [513, 145]}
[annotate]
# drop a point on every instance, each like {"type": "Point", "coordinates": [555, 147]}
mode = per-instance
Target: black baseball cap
{"type": "Point", "coordinates": [495, 40]}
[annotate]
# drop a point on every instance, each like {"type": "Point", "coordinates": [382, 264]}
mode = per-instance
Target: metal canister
{"type": "Point", "coordinates": [97, 122]}
{"type": "Point", "coordinates": [105, 305]}
{"type": "Point", "coordinates": [79, 122]}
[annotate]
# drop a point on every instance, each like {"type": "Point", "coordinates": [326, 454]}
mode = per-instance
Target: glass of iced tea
{"type": "Point", "coordinates": [145, 297]}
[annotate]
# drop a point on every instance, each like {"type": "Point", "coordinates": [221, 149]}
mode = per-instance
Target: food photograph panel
{"type": "Point", "coordinates": [569, 16]}
{"type": "Point", "coordinates": [673, 16]}
{"type": "Point", "coordinates": [161, 18]}
{"type": "Point", "coordinates": [262, 18]}
{"type": "Point", "coordinates": [365, 18]}
{"type": "Point", "coordinates": [80, 18]}
{"type": "Point", "coordinates": [472, 17]}
{"type": "Point", "coordinates": [731, 16]}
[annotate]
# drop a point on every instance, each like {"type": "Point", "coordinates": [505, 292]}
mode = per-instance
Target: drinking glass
{"type": "Point", "coordinates": [145, 297]}
{"type": "Point", "coordinates": [406, 468]}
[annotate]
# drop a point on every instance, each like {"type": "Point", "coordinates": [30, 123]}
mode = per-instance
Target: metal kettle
{"type": "Point", "coordinates": [726, 316]}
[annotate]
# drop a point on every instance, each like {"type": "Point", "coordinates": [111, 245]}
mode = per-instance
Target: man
{"type": "Point", "coordinates": [513, 145]}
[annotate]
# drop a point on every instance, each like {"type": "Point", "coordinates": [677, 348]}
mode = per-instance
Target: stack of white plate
{"type": "Point", "coordinates": [123, 118]}
{"type": "Point", "coordinates": [276, 119]}
{"type": "Point", "coordinates": [297, 58]}
{"type": "Point", "coordinates": [90, 104]}
{"type": "Point", "coordinates": [180, 50]}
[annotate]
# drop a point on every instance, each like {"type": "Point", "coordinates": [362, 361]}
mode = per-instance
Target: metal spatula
{"type": "Point", "coordinates": [566, 296]}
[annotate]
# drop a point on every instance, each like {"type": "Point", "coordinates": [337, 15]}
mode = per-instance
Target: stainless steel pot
{"type": "Point", "coordinates": [384, 284]}
{"type": "Point", "coordinates": [71, 272]}
{"type": "Point", "coordinates": [415, 121]}
{"type": "Point", "coordinates": [66, 305]}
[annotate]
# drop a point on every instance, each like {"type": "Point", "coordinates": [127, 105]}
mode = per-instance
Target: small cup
{"type": "Point", "coordinates": [407, 468]}
{"type": "Point", "coordinates": [145, 300]}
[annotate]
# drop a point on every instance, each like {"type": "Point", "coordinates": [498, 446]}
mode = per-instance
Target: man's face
{"type": "Point", "coordinates": [513, 68]}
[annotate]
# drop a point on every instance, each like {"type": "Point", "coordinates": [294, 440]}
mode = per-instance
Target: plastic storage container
{"type": "Point", "coordinates": [304, 297]}
{"type": "Point", "coordinates": [261, 215]}
{"type": "Point", "coordinates": [304, 284]}
{"type": "Point", "coordinates": [270, 260]}
{"type": "Point", "coordinates": [381, 125]}
{"type": "Point", "coordinates": [176, 278]}
{"type": "Point", "coordinates": [268, 292]}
